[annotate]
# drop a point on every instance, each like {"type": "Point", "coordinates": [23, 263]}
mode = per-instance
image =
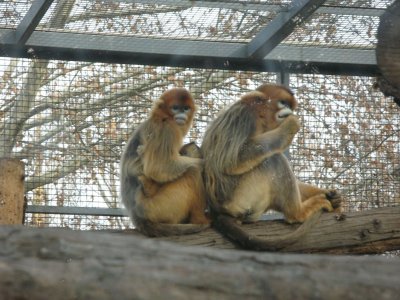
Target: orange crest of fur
{"type": "Point", "coordinates": [265, 103]}
{"type": "Point", "coordinates": [278, 92]}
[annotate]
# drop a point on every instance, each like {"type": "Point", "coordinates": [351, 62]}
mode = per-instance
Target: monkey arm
{"type": "Point", "coordinates": [161, 168]}
{"type": "Point", "coordinates": [255, 151]}
{"type": "Point", "coordinates": [262, 146]}
{"type": "Point", "coordinates": [170, 170]}
{"type": "Point", "coordinates": [160, 156]}
{"type": "Point", "coordinates": [159, 171]}
{"type": "Point", "coordinates": [133, 166]}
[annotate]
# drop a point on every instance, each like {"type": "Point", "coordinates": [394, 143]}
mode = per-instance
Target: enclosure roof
{"type": "Point", "coordinates": [299, 36]}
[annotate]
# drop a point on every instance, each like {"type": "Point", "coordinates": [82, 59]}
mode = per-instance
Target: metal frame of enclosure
{"type": "Point", "coordinates": [265, 52]}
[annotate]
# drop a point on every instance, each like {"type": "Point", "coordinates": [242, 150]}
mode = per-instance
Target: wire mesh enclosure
{"type": "Point", "coordinates": [69, 118]}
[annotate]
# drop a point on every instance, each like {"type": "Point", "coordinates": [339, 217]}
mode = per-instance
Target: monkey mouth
{"type": "Point", "coordinates": [284, 113]}
{"type": "Point", "coordinates": [180, 121]}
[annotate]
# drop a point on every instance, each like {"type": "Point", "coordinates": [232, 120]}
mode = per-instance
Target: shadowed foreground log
{"type": "Point", "coordinates": [63, 264]}
{"type": "Point", "coordinates": [366, 232]}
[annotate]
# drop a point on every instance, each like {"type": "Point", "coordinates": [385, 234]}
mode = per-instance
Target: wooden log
{"type": "Point", "coordinates": [365, 232]}
{"type": "Point", "coordinates": [11, 191]}
{"type": "Point", "coordinates": [64, 264]}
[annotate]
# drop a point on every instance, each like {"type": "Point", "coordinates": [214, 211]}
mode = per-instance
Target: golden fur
{"type": "Point", "coordinates": [247, 174]}
{"type": "Point", "coordinates": [159, 187]}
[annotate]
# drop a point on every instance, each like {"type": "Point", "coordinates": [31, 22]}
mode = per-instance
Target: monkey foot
{"type": "Point", "coordinates": [335, 198]}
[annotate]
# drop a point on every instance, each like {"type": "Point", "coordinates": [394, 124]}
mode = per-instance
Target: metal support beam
{"type": "Point", "coordinates": [31, 20]}
{"type": "Point", "coordinates": [109, 212]}
{"type": "Point", "coordinates": [253, 5]}
{"type": "Point", "coordinates": [281, 27]}
{"type": "Point", "coordinates": [188, 53]}
{"type": "Point", "coordinates": [283, 78]}
{"type": "Point", "coordinates": [115, 212]}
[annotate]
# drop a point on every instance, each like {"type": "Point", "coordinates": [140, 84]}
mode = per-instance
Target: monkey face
{"type": "Point", "coordinates": [176, 105]}
{"type": "Point", "coordinates": [181, 113]}
{"type": "Point", "coordinates": [280, 103]}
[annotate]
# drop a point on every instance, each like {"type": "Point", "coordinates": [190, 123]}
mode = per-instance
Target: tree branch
{"type": "Point", "coordinates": [370, 231]}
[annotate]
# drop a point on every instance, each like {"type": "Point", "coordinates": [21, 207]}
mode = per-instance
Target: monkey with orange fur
{"type": "Point", "coordinates": [161, 189]}
{"type": "Point", "coordinates": [247, 174]}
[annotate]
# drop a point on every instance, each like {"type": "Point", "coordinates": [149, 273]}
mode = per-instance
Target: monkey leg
{"type": "Point", "coordinates": [177, 202]}
{"type": "Point", "coordinates": [307, 191]}
{"type": "Point", "coordinates": [197, 211]}
{"type": "Point", "coordinates": [300, 211]}
{"type": "Point", "coordinates": [198, 216]}
{"type": "Point", "coordinates": [197, 199]}
{"type": "Point", "coordinates": [256, 193]}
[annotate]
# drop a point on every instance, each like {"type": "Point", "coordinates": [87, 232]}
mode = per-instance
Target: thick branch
{"type": "Point", "coordinates": [371, 231]}
{"type": "Point", "coordinates": [91, 265]}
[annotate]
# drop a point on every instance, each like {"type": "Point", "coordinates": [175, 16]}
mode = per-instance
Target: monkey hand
{"type": "Point", "coordinates": [149, 186]}
{"type": "Point", "coordinates": [290, 125]}
{"type": "Point", "coordinates": [287, 130]}
{"type": "Point", "coordinates": [183, 164]}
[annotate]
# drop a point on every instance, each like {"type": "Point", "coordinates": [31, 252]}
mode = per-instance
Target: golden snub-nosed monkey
{"type": "Point", "coordinates": [161, 188]}
{"type": "Point", "coordinates": [247, 174]}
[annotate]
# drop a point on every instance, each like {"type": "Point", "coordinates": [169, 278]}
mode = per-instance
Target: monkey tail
{"type": "Point", "coordinates": [229, 228]}
{"type": "Point", "coordinates": [151, 229]}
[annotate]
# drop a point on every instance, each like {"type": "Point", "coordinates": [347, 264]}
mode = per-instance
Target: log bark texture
{"type": "Point", "coordinates": [365, 232]}
{"type": "Point", "coordinates": [11, 191]}
{"type": "Point", "coordinates": [64, 264]}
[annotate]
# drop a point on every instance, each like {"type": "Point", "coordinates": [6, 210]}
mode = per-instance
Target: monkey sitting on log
{"type": "Point", "coordinates": [161, 189]}
{"type": "Point", "coordinates": [246, 172]}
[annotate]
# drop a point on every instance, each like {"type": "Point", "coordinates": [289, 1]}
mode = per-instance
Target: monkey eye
{"type": "Point", "coordinates": [284, 103]}
{"type": "Point", "coordinates": [176, 108]}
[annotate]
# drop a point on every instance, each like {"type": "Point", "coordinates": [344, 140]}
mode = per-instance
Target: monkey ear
{"type": "Point", "coordinates": [161, 105]}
